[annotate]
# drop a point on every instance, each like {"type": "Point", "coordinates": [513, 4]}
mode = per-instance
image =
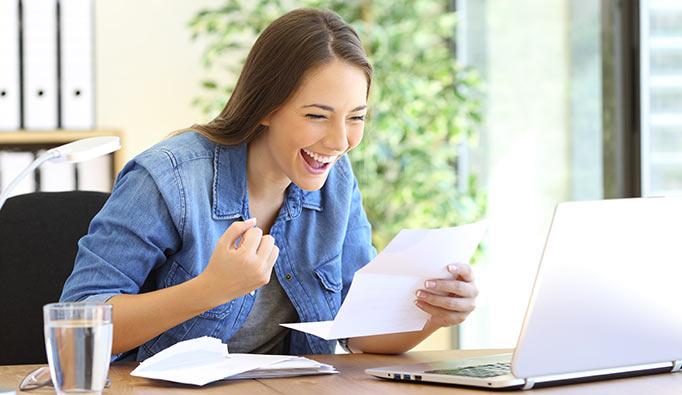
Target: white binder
{"type": "Point", "coordinates": [13, 163]}
{"type": "Point", "coordinates": [39, 25]}
{"type": "Point", "coordinates": [10, 98]}
{"type": "Point", "coordinates": [95, 174]}
{"type": "Point", "coordinates": [57, 176]}
{"type": "Point", "coordinates": [77, 79]}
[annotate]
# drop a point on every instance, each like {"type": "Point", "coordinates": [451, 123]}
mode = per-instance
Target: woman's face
{"type": "Point", "coordinates": [323, 120]}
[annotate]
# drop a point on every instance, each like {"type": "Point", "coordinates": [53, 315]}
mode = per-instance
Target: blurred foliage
{"type": "Point", "coordinates": [423, 104]}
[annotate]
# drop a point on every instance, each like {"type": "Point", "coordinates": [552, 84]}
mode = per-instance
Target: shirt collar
{"type": "Point", "coordinates": [230, 193]}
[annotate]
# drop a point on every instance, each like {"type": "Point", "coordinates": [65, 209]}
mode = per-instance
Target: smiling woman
{"type": "Point", "coordinates": [190, 259]}
{"type": "Point", "coordinates": [321, 121]}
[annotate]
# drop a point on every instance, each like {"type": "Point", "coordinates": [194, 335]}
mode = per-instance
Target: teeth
{"type": "Point", "coordinates": [319, 158]}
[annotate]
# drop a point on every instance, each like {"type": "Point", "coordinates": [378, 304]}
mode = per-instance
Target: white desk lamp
{"type": "Point", "coordinates": [76, 151]}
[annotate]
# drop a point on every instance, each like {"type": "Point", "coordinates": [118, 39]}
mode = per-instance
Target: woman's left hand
{"type": "Point", "coordinates": [458, 301]}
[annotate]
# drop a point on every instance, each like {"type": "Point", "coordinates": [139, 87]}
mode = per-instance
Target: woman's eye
{"type": "Point", "coordinates": [358, 118]}
{"type": "Point", "coordinates": [315, 116]}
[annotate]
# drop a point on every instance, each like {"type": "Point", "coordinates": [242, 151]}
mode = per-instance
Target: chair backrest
{"type": "Point", "coordinates": [39, 235]}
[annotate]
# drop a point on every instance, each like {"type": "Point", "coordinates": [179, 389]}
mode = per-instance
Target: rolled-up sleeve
{"type": "Point", "coordinates": [133, 234]}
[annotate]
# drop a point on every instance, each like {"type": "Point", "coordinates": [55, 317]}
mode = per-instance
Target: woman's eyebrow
{"type": "Point", "coordinates": [331, 109]}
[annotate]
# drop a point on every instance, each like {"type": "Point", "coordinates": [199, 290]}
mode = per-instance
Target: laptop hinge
{"type": "Point", "coordinates": [677, 365]}
{"type": "Point", "coordinates": [529, 384]}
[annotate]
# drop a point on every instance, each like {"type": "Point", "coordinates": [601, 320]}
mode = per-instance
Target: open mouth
{"type": "Point", "coordinates": [316, 163]}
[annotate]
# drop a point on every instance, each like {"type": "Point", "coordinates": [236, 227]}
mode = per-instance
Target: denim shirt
{"type": "Point", "coordinates": [171, 204]}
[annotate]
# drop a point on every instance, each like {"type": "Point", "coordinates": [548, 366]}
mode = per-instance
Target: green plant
{"type": "Point", "coordinates": [422, 103]}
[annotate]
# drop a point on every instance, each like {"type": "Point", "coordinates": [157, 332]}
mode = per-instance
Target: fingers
{"type": "Point", "coordinates": [266, 256]}
{"type": "Point", "coordinates": [251, 239]}
{"type": "Point", "coordinates": [462, 270]}
{"type": "Point", "coordinates": [265, 246]}
{"type": "Point", "coordinates": [452, 304]}
{"type": "Point", "coordinates": [450, 300]}
{"type": "Point", "coordinates": [235, 270]}
{"type": "Point", "coordinates": [443, 317]}
{"type": "Point", "coordinates": [236, 230]}
{"type": "Point", "coordinates": [461, 285]}
{"type": "Point", "coordinates": [272, 258]}
{"type": "Point", "coordinates": [268, 251]}
{"type": "Point", "coordinates": [459, 288]}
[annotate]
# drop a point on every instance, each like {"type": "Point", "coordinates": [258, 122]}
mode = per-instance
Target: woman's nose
{"type": "Point", "coordinates": [337, 137]}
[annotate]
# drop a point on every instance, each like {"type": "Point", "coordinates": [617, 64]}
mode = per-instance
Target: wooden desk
{"type": "Point", "coordinates": [351, 381]}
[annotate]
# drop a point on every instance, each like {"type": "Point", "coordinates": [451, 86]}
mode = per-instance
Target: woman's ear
{"type": "Point", "coordinates": [266, 120]}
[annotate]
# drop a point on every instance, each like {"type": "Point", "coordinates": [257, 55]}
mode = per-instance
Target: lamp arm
{"type": "Point", "coordinates": [51, 154]}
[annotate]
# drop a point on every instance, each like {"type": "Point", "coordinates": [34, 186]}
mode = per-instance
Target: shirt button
{"type": "Point", "coordinates": [288, 276]}
{"type": "Point", "coordinates": [252, 293]}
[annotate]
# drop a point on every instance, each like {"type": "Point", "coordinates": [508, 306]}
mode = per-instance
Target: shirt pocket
{"type": "Point", "coordinates": [178, 275]}
{"type": "Point", "coordinates": [330, 276]}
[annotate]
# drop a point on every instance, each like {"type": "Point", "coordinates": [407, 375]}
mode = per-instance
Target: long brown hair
{"type": "Point", "coordinates": [290, 46]}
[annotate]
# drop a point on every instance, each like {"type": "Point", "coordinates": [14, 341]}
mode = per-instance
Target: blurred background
{"type": "Point", "coordinates": [480, 109]}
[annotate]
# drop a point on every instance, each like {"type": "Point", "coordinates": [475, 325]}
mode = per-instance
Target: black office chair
{"type": "Point", "coordinates": [39, 233]}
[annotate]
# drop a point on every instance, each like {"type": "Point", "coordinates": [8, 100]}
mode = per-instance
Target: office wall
{"type": "Point", "coordinates": [147, 68]}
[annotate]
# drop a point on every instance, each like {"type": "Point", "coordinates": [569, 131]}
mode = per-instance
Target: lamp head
{"type": "Point", "coordinates": [85, 149]}
{"type": "Point", "coordinates": [77, 151]}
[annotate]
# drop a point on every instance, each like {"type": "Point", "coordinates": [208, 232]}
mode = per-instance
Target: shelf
{"type": "Point", "coordinates": [27, 139]}
{"type": "Point", "coordinates": [57, 136]}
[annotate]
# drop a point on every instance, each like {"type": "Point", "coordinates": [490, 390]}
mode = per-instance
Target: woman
{"type": "Point", "coordinates": [255, 219]}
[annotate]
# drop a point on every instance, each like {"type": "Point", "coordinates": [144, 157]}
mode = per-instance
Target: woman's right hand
{"type": "Point", "coordinates": [237, 269]}
{"type": "Point", "coordinates": [231, 272]}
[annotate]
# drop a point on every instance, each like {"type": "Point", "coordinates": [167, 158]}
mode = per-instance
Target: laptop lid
{"type": "Point", "coordinates": [603, 304]}
{"type": "Point", "coordinates": [607, 289]}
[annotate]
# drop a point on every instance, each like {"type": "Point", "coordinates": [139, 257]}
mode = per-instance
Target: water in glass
{"type": "Point", "coordinates": [78, 352]}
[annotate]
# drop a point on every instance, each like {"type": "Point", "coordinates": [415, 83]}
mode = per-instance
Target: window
{"type": "Point", "coordinates": [542, 141]}
{"type": "Point", "coordinates": [661, 96]}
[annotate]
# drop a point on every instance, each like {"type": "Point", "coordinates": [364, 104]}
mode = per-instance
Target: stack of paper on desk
{"type": "Point", "coordinates": [380, 298]}
{"type": "Point", "coordinates": [204, 360]}
{"type": "Point", "coordinates": [294, 366]}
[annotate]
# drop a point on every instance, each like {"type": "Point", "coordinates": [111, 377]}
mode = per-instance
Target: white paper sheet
{"type": "Point", "coordinates": [204, 360]}
{"type": "Point", "coordinates": [296, 366]}
{"type": "Point", "coordinates": [380, 299]}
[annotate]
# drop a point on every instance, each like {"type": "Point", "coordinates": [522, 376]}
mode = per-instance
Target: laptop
{"type": "Point", "coordinates": [605, 303]}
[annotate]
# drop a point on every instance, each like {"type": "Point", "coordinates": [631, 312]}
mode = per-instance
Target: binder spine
{"type": "Point", "coordinates": [76, 64]}
{"type": "Point", "coordinates": [58, 65]}
{"type": "Point", "coordinates": [10, 88]}
{"type": "Point", "coordinates": [39, 40]}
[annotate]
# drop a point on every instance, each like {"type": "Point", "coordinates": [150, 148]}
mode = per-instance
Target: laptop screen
{"type": "Point", "coordinates": [606, 291]}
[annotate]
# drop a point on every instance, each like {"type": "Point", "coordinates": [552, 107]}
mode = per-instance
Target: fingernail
{"type": "Point", "coordinates": [452, 268]}
{"type": "Point", "coordinates": [420, 294]}
{"type": "Point", "coordinates": [430, 284]}
{"type": "Point", "coordinates": [250, 220]}
{"type": "Point", "coordinates": [416, 302]}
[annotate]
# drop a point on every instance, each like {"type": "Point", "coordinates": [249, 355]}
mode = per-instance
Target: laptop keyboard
{"type": "Point", "coordinates": [488, 370]}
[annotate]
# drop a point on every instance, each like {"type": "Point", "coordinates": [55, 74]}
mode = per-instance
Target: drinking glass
{"type": "Point", "coordinates": [78, 342]}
